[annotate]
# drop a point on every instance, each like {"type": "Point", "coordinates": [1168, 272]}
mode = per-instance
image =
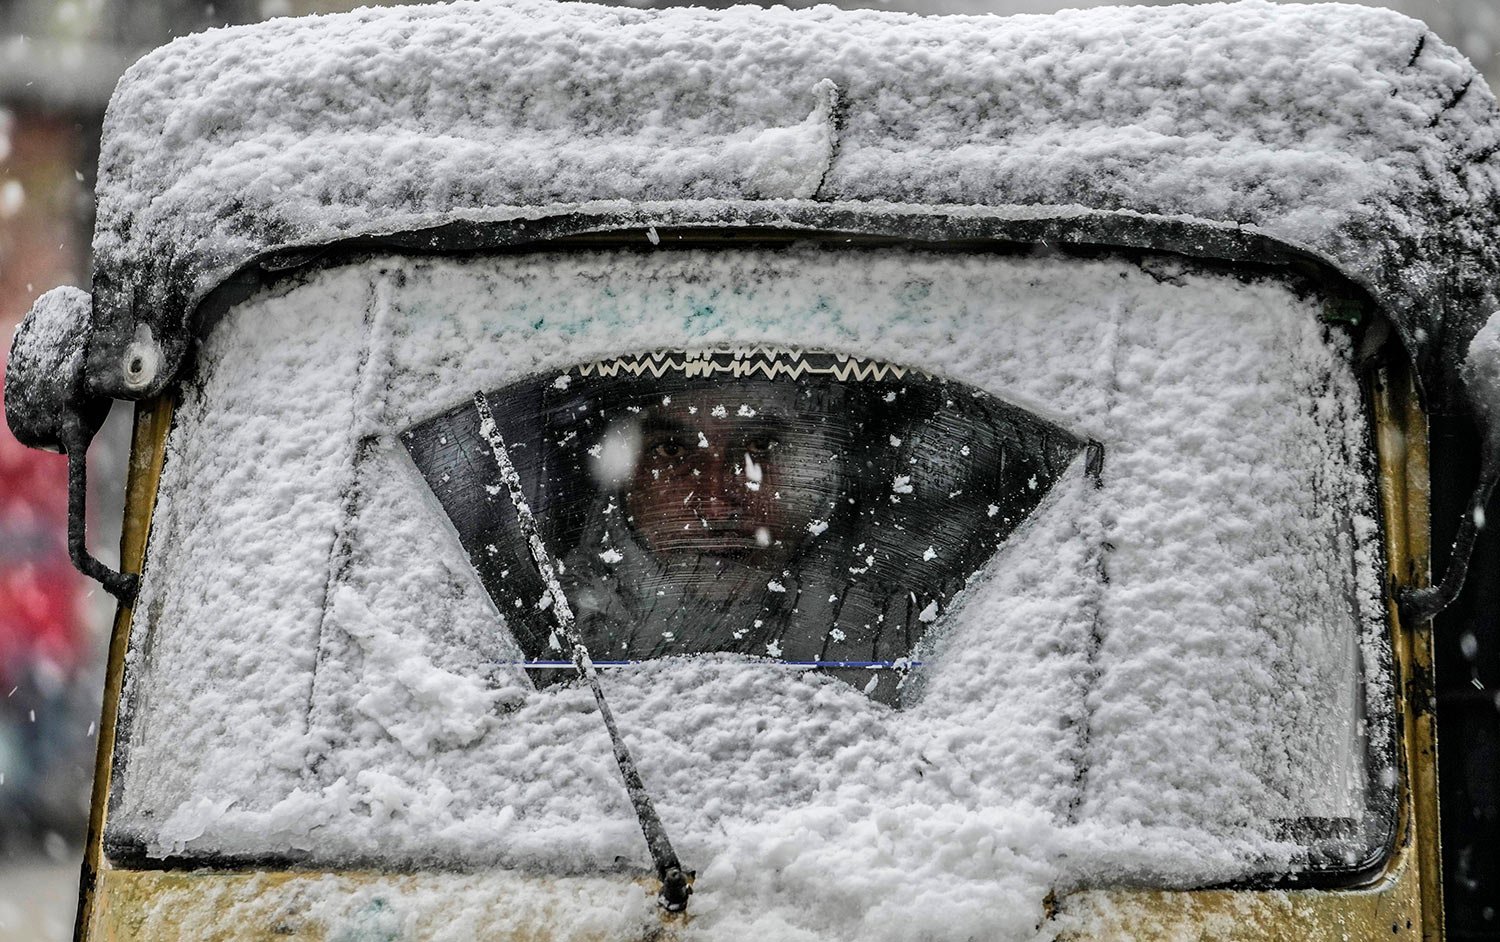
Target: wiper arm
{"type": "Point", "coordinates": [676, 882]}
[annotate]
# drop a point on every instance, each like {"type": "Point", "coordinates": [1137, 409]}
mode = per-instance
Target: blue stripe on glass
{"type": "Point", "coordinates": [568, 665]}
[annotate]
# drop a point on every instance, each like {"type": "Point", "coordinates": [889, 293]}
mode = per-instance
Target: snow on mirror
{"type": "Point", "coordinates": [1167, 667]}
{"type": "Point", "coordinates": [815, 509]}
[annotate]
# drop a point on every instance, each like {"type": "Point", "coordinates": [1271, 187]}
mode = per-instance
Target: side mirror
{"type": "Point", "coordinates": [1481, 376]}
{"type": "Point", "coordinates": [47, 406]}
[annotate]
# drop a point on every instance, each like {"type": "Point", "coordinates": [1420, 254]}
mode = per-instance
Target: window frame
{"type": "Point", "coordinates": [1344, 303]}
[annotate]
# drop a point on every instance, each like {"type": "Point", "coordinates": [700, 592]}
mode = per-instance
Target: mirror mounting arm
{"type": "Point", "coordinates": [48, 406]}
{"type": "Point", "coordinates": [122, 585]}
{"type": "Point", "coordinates": [1481, 376]}
{"type": "Point", "coordinates": [1418, 605]}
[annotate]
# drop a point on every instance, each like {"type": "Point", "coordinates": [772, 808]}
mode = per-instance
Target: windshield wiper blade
{"type": "Point", "coordinates": [676, 882]}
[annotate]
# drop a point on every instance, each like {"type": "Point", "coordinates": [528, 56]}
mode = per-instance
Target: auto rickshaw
{"type": "Point", "coordinates": [931, 478]}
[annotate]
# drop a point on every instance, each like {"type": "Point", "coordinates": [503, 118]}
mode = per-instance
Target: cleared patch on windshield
{"type": "Point", "coordinates": [803, 508]}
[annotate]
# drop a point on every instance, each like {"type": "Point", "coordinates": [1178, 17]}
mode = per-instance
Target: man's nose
{"type": "Point", "coordinates": [721, 486]}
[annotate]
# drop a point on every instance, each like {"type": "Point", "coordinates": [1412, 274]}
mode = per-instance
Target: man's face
{"type": "Point", "coordinates": [745, 473]}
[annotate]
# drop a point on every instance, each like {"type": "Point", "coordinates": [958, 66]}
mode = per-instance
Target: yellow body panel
{"type": "Point", "coordinates": [1389, 909]}
{"type": "Point", "coordinates": [202, 906]}
{"type": "Point", "coordinates": [205, 906]}
{"type": "Point", "coordinates": [1402, 902]}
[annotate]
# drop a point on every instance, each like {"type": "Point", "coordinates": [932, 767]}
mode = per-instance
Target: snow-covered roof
{"type": "Point", "coordinates": [1347, 133]}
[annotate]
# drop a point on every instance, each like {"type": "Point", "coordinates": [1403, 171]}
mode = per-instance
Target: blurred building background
{"type": "Point", "coordinates": [59, 60]}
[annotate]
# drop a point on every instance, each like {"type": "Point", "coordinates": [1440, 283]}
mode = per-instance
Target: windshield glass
{"type": "Point", "coordinates": [973, 576]}
{"type": "Point", "coordinates": [814, 509]}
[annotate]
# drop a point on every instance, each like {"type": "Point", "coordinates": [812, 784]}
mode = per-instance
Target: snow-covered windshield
{"type": "Point", "coordinates": [815, 509]}
{"type": "Point", "coordinates": [1168, 667]}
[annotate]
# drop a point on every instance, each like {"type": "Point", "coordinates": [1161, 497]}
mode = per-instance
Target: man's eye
{"type": "Point", "coordinates": [763, 445]}
{"type": "Point", "coordinates": [668, 449]}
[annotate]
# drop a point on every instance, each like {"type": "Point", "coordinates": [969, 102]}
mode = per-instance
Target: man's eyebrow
{"type": "Point", "coordinates": [764, 422]}
{"type": "Point", "coordinates": [658, 424]}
